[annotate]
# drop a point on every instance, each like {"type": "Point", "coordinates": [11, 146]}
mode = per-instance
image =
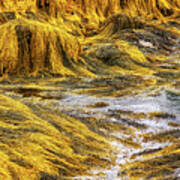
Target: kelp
{"type": "Point", "coordinates": [122, 47]}
{"type": "Point", "coordinates": [155, 165]}
{"type": "Point", "coordinates": [49, 36]}
{"type": "Point", "coordinates": [36, 141]}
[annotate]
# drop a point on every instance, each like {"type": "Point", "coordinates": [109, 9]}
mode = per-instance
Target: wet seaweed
{"type": "Point", "coordinates": [50, 50]}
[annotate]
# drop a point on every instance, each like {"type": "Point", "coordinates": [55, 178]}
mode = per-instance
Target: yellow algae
{"type": "Point", "coordinates": [105, 48]}
{"type": "Point", "coordinates": [37, 145]}
{"type": "Point", "coordinates": [155, 165]}
{"type": "Point", "coordinates": [51, 32]}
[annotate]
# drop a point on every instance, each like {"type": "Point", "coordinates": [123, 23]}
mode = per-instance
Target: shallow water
{"type": "Point", "coordinates": [166, 104]}
{"type": "Point", "coordinates": [90, 95]}
{"type": "Point", "coordinates": [140, 122]}
{"type": "Point", "coordinates": [140, 128]}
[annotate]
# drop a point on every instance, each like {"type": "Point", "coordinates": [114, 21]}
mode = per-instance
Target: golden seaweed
{"type": "Point", "coordinates": [124, 47]}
